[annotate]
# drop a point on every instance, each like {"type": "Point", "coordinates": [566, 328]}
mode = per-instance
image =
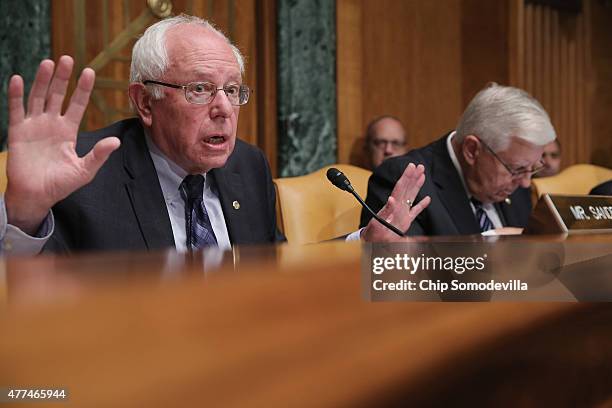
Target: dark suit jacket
{"type": "Point", "coordinates": [123, 208]}
{"type": "Point", "coordinates": [449, 212]}
{"type": "Point", "coordinates": [604, 188]}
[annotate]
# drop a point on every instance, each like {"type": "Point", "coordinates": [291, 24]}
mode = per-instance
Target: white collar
{"type": "Point", "coordinates": [170, 174]}
{"type": "Point", "coordinates": [453, 157]}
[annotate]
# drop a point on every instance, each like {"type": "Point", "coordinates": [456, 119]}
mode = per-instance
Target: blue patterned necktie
{"type": "Point", "coordinates": [197, 223]}
{"type": "Point", "coordinates": [483, 219]}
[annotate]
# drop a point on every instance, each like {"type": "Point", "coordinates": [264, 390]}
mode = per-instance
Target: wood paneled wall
{"type": "Point", "coordinates": [551, 60]}
{"type": "Point", "coordinates": [600, 82]}
{"type": "Point", "coordinates": [421, 61]}
{"type": "Point", "coordinates": [101, 33]}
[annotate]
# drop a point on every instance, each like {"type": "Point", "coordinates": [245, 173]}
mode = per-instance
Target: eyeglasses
{"type": "Point", "coordinates": [552, 155]}
{"type": "Point", "coordinates": [202, 93]}
{"type": "Point", "coordinates": [515, 173]}
{"type": "Point", "coordinates": [381, 143]}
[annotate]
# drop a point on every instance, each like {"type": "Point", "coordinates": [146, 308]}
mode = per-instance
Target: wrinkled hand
{"type": "Point", "coordinates": [42, 165]}
{"type": "Point", "coordinates": [396, 211]}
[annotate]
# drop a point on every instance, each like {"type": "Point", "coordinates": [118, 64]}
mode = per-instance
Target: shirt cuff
{"type": "Point", "coordinates": [354, 236]}
{"type": "Point", "coordinates": [14, 241]}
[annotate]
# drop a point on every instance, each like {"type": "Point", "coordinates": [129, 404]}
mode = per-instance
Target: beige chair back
{"type": "Point", "coordinates": [310, 209]}
{"type": "Point", "coordinates": [575, 180]}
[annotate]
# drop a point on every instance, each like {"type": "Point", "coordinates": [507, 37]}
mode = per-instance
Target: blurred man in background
{"type": "Point", "coordinates": [551, 159]}
{"type": "Point", "coordinates": [385, 137]}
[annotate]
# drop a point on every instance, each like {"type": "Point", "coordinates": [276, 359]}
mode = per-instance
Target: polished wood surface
{"type": "Point", "coordinates": [285, 326]}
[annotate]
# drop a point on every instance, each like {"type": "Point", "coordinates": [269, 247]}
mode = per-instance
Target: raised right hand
{"type": "Point", "coordinates": [42, 165]}
{"type": "Point", "coordinates": [397, 211]}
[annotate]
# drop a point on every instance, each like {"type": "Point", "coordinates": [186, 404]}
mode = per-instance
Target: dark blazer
{"type": "Point", "coordinates": [604, 188]}
{"type": "Point", "coordinates": [449, 212]}
{"type": "Point", "coordinates": [123, 208]}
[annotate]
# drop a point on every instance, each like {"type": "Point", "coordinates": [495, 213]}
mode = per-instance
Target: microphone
{"type": "Point", "coordinates": [338, 179]}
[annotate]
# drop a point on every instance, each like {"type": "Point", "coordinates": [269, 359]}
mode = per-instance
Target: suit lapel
{"type": "Point", "coordinates": [517, 212]}
{"type": "Point", "coordinates": [451, 192]}
{"type": "Point", "coordinates": [145, 192]}
{"type": "Point", "coordinates": [231, 190]}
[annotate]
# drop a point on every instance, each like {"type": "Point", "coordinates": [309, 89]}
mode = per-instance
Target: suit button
{"type": "Point", "coordinates": [236, 205]}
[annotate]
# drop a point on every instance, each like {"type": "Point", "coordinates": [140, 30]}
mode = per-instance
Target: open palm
{"type": "Point", "coordinates": [42, 164]}
{"type": "Point", "coordinates": [400, 209]}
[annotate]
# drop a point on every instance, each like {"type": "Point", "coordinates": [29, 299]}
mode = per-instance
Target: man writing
{"type": "Point", "coordinates": [477, 176]}
{"type": "Point", "coordinates": [175, 177]}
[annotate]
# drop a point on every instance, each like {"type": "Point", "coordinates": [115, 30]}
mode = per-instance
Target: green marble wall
{"type": "Point", "coordinates": [25, 33]}
{"type": "Point", "coordinates": [306, 85]}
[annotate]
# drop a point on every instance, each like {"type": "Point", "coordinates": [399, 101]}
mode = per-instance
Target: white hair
{"type": "Point", "coordinates": [150, 56]}
{"type": "Point", "coordinates": [498, 113]}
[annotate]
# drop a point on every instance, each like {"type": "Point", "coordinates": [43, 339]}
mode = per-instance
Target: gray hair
{"type": "Point", "coordinates": [497, 113]}
{"type": "Point", "coordinates": [150, 56]}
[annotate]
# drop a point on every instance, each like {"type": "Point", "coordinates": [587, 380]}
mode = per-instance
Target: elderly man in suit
{"type": "Point", "coordinates": [477, 176]}
{"type": "Point", "coordinates": [176, 176]}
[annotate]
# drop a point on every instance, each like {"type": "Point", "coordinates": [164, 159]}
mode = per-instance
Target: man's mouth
{"type": "Point", "coordinates": [215, 140]}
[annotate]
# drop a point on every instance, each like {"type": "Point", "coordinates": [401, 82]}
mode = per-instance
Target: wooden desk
{"type": "Point", "coordinates": [284, 326]}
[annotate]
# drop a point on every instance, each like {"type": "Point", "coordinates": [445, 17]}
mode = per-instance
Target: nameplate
{"type": "Point", "coordinates": [571, 214]}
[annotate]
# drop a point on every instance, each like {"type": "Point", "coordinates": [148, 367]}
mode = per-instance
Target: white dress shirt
{"type": "Point", "coordinates": [170, 177]}
{"type": "Point", "coordinates": [488, 208]}
{"type": "Point", "coordinates": [14, 241]}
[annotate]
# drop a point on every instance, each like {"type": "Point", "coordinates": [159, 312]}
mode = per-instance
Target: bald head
{"type": "Point", "coordinates": [385, 137]}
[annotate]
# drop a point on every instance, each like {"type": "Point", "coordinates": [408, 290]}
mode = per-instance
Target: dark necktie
{"type": "Point", "coordinates": [197, 223]}
{"type": "Point", "coordinates": [483, 219]}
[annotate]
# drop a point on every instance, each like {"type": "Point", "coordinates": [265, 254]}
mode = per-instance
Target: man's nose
{"type": "Point", "coordinates": [220, 104]}
{"type": "Point", "coordinates": [525, 180]}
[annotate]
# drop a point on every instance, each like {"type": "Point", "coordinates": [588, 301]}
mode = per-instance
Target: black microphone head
{"type": "Point", "coordinates": [338, 179]}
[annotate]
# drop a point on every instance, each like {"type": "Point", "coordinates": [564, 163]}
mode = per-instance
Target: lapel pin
{"type": "Point", "coordinates": [236, 205]}
{"type": "Point", "coordinates": [508, 201]}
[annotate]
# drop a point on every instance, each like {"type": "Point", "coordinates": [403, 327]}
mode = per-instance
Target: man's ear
{"type": "Point", "coordinates": [470, 149]}
{"type": "Point", "coordinates": [141, 101]}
